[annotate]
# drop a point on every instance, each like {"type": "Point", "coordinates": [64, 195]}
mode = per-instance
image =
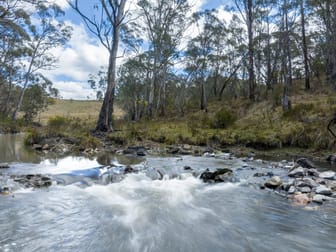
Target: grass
{"type": "Point", "coordinates": [260, 125]}
{"type": "Point", "coordinates": [83, 110]}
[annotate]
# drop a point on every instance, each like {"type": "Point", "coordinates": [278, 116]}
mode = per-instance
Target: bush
{"type": "Point", "coordinates": [32, 137]}
{"type": "Point", "coordinates": [223, 119]}
{"type": "Point", "coordinates": [57, 125]}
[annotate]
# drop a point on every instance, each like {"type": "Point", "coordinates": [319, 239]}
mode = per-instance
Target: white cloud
{"type": "Point", "coordinates": [81, 56]}
{"type": "Point", "coordinates": [74, 90]}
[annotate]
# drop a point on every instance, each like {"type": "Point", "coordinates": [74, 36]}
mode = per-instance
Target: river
{"type": "Point", "coordinates": [141, 214]}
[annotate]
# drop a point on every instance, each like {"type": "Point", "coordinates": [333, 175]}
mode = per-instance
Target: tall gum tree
{"type": "Point", "coordinates": [164, 22]}
{"type": "Point", "coordinates": [48, 34]}
{"type": "Point", "coordinates": [105, 21]}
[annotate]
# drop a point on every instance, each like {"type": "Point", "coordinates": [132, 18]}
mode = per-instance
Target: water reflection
{"type": "Point", "coordinates": [12, 149]}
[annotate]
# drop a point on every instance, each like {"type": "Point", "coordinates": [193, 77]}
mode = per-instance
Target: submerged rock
{"type": "Point", "coordinates": [300, 199]}
{"type": "Point", "coordinates": [33, 180]}
{"type": "Point", "coordinates": [273, 182]}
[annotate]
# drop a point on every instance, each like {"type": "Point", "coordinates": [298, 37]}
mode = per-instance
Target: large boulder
{"type": "Point", "coordinates": [220, 175]}
{"type": "Point", "coordinates": [273, 182]}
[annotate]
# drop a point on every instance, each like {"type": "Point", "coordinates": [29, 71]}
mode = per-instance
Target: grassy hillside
{"type": "Point", "coordinates": [234, 122]}
{"type": "Point", "coordinates": [83, 110]}
{"type": "Point", "coordinates": [261, 125]}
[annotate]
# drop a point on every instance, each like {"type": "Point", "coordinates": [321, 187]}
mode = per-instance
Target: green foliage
{"type": "Point", "coordinates": [9, 126]}
{"type": "Point", "coordinates": [57, 125]}
{"type": "Point", "coordinates": [32, 136]}
{"type": "Point", "coordinates": [224, 118]}
{"type": "Point", "coordinates": [35, 100]}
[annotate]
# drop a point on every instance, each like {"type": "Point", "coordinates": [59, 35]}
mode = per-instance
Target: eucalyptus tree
{"type": "Point", "coordinates": [132, 86]}
{"type": "Point", "coordinates": [199, 52]}
{"type": "Point", "coordinates": [14, 20]}
{"type": "Point", "coordinates": [248, 9]}
{"type": "Point", "coordinates": [44, 36]}
{"type": "Point", "coordinates": [105, 21]}
{"type": "Point", "coordinates": [164, 23]}
{"type": "Point", "coordinates": [303, 14]}
{"type": "Point", "coordinates": [325, 11]}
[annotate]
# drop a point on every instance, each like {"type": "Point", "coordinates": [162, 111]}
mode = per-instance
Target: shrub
{"type": "Point", "coordinates": [223, 119]}
{"type": "Point", "coordinates": [57, 125]}
{"type": "Point", "coordinates": [32, 137]}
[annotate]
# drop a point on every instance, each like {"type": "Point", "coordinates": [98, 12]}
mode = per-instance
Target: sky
{"type": "Point", "coordinates": [83, 54]}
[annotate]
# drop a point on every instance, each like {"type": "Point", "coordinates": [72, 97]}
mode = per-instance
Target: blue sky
{"type": "Point", "coordinates": [83, 55]}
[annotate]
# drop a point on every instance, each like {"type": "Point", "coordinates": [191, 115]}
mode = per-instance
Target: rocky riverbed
{"type": "Point", "coordinates": [301, 181]}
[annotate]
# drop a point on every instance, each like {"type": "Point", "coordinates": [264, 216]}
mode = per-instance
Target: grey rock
{"type": "Point", "coordinates": [273, 182]}
{"type": "Point", "coordinates": [327, 175]}
{"type": "Point", "coordinates": [220, 175]}
{"type": "Point", "coordinates": [331, 158]}
{"type": "Point", "coordinates": [332, 185]}
{"type": "Point", "coordinates": [318, 198]}
{"type": "Point", "coordinates": [323, 190]}
{"type": "Point", "coordinates": [305, 163]}
{"type": "Point", "coordinates": [297, 172]}
{"type": "Point", "coordinates": [313, 172]}
{"type": "Point", "coordinates": [305, 189]}
{"type": "Point", "coordinates": [306, 182]}
{"type": "Point", "coordinates": [187, 168]}
{"type": "Point", "coordinates": [37, 147]}
{"type": "Point", "coordinates": [291, 190]}
{"type": "Point", "coordinates": [4, 166]}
